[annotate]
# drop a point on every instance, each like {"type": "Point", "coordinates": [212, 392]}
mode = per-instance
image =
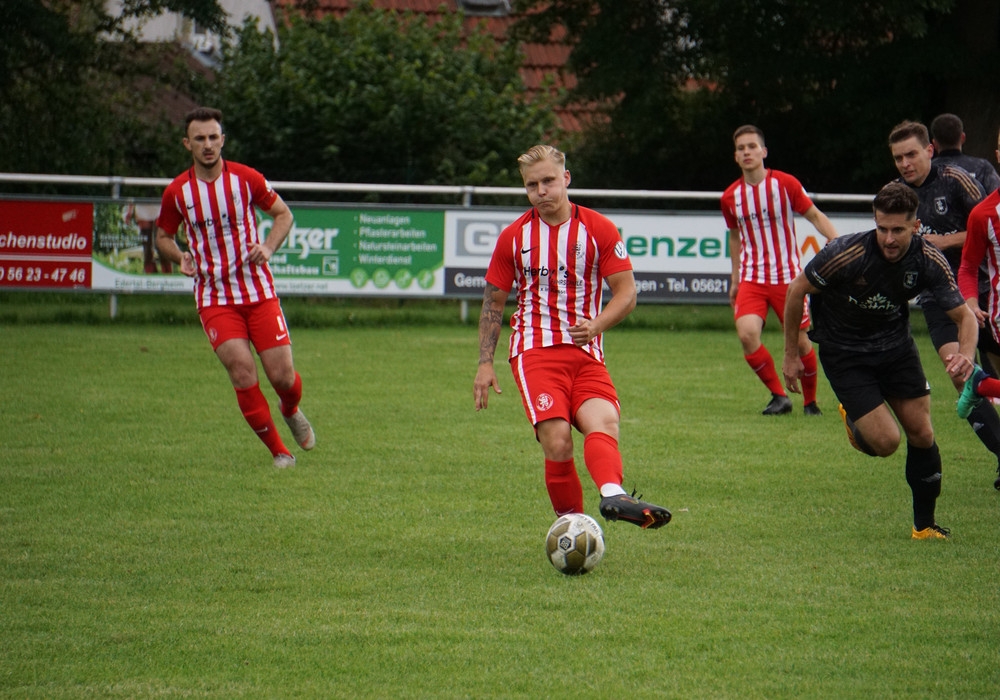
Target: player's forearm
{"type": "Point", "coordinates": [167, 247]}
{"type": "Point", "coordinates": [490, 321]}
{"type": "Point", "coordinates": [615, 311]}
{"type": "Point", "coordinates": [279, 230]}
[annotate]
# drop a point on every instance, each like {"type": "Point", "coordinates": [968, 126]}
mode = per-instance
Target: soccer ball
{"type": "Point", "coordinates": [575, 544]}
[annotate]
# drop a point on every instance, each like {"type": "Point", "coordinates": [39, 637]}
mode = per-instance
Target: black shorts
{"type": "Point", "coordinates": [943, 330]}
{"type": "Point", "coordinates": [862, 381]}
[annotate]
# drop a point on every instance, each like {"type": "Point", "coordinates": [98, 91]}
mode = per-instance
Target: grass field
{"type": "Point", "coordinates": [148, 548]}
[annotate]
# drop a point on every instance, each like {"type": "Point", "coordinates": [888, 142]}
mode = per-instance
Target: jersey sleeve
{"type": "Point", "coordinates": [500, 272]}
{"type": "Point", "coordinates": [941, 279]}
{"type": "Point", "coordinates": [728, 206]}
{"type": "Point", "coordinates": [170, 218]}
{"type": "Point", "coordinates": [800, 201]}
{"type": "Point", "coordinates": [973, 252]}
{"type": "Point", "coordinates": [261, 192]}
{"type": "Point", "coordinates": [613, 257]}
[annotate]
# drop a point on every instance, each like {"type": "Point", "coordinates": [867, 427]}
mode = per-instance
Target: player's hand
{"type": "Point", "coordinates": [959, 366]}
{"type": "Point", "coordinates": [259, 253]}
{"type": "Point", "coordinates": [582, 333]}
{"type": "Point", "coordinates": [793, 369]}
{"type": "Point", "coordinates": [187, 264]}
{"type": "Point", "coordinates": [981, 316]}
{"type": "Point", "coordinates": [486, 379]}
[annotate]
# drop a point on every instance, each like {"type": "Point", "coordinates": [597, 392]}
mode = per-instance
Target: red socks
{"type": "Point", "coordinates": [290, 397]}
{"type": "Point", "coordinates": [258, 416]}
{"type": "Point", "coordinates": [563, 484]}
{"type": "Point", "coordinates": [809, 377]}
{"type": "Point", "coordinates": [762, 363]}
{"type": "Point", "coordinates": [604, 461]}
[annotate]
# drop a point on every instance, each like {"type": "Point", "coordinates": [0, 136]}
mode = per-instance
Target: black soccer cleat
{"type": "Point", "coordinates": [779, 405]}
{"type": "Point", "coordinates": [811, 409]}
{"type": "Point", "coordinates": [628, 508]}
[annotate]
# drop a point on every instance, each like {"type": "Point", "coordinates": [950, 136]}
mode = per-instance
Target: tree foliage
{"type": "Point", "coordinates": [826, 81]}
{"type": "Point", "coordinates": [379, 96]}
{"type": "Point", "coordinates": [79, 91]}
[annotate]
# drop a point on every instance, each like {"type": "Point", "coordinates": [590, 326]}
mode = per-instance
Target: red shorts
{"type": "Point", "coordinates": [753, 298]}
{"type": "Point", "coordinates": [263, 324]}
{"type": "Point", "coordinates": [555, 381]}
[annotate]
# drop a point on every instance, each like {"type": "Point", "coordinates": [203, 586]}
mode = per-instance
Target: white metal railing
{"type": "Point", "coordinates": [464, 193]}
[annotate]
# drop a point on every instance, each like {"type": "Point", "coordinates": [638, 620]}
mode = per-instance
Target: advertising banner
{"type": "Point", "coordinates": [46, 245]}
{"type": "Point", "coordinates": [328, 252]}
{"type": "Point", "coordinates": [678, 257]}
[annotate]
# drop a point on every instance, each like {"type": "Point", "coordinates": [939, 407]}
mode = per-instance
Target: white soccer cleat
{"type": "Point", "coordinates": [302, 431]}
{"type": "Point", "coordinates": [284, 461]}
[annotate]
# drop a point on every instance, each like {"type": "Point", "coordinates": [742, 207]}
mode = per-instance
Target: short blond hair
{"type": "Point", "coordinates": [541, 152]}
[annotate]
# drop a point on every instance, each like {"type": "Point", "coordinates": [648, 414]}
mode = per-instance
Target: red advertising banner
{"type": "Point", "coordinates": [46, 244]}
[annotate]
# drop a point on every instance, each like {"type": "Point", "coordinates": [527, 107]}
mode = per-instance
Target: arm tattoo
{"type": "Point", "coordinates": [490, 320]}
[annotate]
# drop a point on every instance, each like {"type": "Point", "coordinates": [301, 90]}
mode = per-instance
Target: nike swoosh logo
{"type": "Point", "coordinates": [281, 337]}
{"type": "Point", "coordinates": [525, 251]}
{"type": "Point", "coordinates": [190, 206]}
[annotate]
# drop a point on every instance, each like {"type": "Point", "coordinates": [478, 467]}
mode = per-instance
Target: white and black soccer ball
{"type": "Point", "coordinates": [575, 544]}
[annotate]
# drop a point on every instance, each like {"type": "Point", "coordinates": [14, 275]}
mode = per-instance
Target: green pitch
{"type": "Point", "coordinates": [148, 548]}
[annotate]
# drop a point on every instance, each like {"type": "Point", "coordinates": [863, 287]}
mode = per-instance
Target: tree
{"type": "Point", "coordinates": [378, 96]}
{"type": "Point", "coordinates": [78, 88]}
{"type": "Point", "coordinates": [825, 81]}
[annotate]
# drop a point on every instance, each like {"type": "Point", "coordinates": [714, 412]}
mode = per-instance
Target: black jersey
{"type": "Point", "coordinates": [980, 168]}
{"type": "Point", "coordinates": [947, 196]}
{"type": "Point", "coordinates": [863, 300]}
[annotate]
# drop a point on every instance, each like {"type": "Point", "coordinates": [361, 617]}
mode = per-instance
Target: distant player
{"type": "Point", "coordinates": [759, 209]}
{"type": "Point", "coordinates": [555, 258]}
{"type": "Point", "coordinates": [215, 203]}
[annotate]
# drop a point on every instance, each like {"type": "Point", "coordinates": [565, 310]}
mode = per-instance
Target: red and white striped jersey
{"type": "Point", "coordinates": [557, 273]}
{"type": "Point", "coordinates": [221, 224]}
{"type": "Point", "coordinates": [982, 242]}
{"type": "Point", "coordinates": [764, 214]}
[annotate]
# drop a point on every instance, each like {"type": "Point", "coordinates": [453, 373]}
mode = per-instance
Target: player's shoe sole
{"type": "Point", "coordinates": [632, 510]}
{"type": "Point", "coordinates": [849, 427]}
{"type": "Point", "coordinates": [934, 532]}
{"type": "Point", "coordinates": [301, 429]}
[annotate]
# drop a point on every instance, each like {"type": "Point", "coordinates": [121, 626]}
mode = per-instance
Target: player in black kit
{"type": "Point", "coordinates": [860, 286]}
{"type": "Point", "coordinates": [947, 196]}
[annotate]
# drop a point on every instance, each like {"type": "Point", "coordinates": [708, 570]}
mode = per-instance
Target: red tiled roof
{"type": "Point", "coordinates": [541, 61]}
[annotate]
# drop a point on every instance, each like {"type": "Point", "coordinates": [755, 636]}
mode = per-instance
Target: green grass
{"type": "Point", "coordinates": [148, 548]}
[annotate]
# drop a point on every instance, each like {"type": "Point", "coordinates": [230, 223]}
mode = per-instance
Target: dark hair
{"type": "Point", "coordinates": [947, 129]}
{"type": "Point", "coordinates": [749, 129]}
{"type": "Point", "coordinates": [896, 198]}
{"type": "Point", "coordinates": [908, 129]}
{"type": "Point", "coordinates": [202, 114]}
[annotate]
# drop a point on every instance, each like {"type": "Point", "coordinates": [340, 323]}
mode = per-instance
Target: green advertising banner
{"type": "Point", "coordinates": [353, 250]}
{"type": "Point", "coordinates": [328, 252]}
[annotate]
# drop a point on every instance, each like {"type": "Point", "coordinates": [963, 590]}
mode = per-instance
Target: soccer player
{"type": "Point", "coordinates": [759, 210]}
{"type": "Point", "coordinates": [947, 195]}
{"type": "Point", "coordinates": [215, 201]}
{"type": "Point", "coordinates": [555, 258]}
{"type": "Point", "coordinates": [859, 288]}
{"type": "Point", "coordinates": [982, 247]}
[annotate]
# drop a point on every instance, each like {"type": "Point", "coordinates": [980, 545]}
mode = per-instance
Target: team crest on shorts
{"type": "Point", "coordinates": [543, 402]}
{"type": "Point", "coordinates": [213, 335]}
